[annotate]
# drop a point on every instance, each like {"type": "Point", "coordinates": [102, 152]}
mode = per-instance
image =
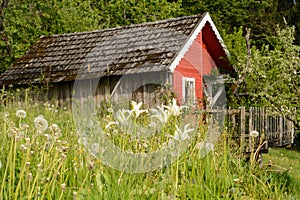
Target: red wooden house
{"type": "Point", "coordinates": [182, 52]}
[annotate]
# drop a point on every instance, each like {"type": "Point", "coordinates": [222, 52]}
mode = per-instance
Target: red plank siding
{"type": "Point", "coordinates": [196, 62]}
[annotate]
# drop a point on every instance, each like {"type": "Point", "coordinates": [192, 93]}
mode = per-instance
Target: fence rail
{"type": "Point", "coordinates": [274, 130]}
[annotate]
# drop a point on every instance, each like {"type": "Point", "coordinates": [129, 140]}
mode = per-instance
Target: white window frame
{"type": "Point", "coordinates": [184, 80]}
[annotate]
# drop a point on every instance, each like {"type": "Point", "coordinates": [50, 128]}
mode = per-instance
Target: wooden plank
{"type": "Point", "coordinates": [243, 121]}
{"type": "Point", "coordinates": [251, 110]}
{"type": "Point", "coordinates": [280, 130]}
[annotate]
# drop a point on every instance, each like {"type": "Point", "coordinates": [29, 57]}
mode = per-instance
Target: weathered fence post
{"type": "Point", "coordinates": [243, 123]}
{"type": "Point", "coordinates": [280, 131]}
{"type": "Point", "coordinates": [251, 110]}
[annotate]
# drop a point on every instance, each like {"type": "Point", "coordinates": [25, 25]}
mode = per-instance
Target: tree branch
{"type": "Point", "coordinates": [243, 74]}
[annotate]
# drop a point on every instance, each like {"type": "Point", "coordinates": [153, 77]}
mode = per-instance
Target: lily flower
{"type": "Point", "coordinates": [136, 108]}
{"type": "Point", "coordinates": [160, 114]}
{"type": "Point", "coordinates": [174, 109]}
{"type": "Point", "coordinates": [123, 116]}
{"type": "Point", "coordinates": [182, 135]}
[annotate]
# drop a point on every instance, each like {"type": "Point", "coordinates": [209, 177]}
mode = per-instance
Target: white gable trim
{"type": "Point", "coordinates": [194, 35]}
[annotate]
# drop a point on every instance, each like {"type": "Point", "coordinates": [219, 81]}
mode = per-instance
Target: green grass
{"type": "Point", "coordinates": [51, 164]}
{"type": "Point", "coordinates": [286, 160]}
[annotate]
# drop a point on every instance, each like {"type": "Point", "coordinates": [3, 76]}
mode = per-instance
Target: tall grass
{"type": "Point", "coordinates": [51, 164]}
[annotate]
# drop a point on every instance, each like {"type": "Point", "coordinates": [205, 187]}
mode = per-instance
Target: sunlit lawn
{"type": "Point", "coordinates": [286, 159]}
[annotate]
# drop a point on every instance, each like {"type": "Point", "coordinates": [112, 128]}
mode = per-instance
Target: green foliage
{"type": "Point", "coordinates": [23, 22]}
{"type": "Point", "coordinates": [269, 76]}
{"type": "Point", "coordinates": [119, 12]}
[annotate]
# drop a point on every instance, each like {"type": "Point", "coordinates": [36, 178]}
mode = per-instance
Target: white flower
{"type": "Point", "coordinates": [254, 134]}
{"type": "Point", "coordinates": [29, 176]}
{"type": "Point", "coordinates": [40, 123]}
{"type": "Point", "coordinates": [123, 116]}
{"type": "Point", "coordinates": [63, 187]}
{"type": "Point", "coordinates": [174, 109]}
{"type": "Point", "coordinates": [56, 130]}
{"type": "Point", "coordinates": [182, 135]}
{"type": "Point", "coordinates": [27, 140]}
{"type": "Point", "coordinates": [160, 114]}
{"type": "Point", "coordinates": [111, 110]}
{"type": "Point", "coordinates": [136, 108]}
{"type": "Point", "coordinates": [21, 113]}
{"type": "Point", "coordinates": [24, 126]}
{"type": "Point", "coordinates": [0, 164]}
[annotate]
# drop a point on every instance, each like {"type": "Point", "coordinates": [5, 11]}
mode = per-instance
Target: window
{"type": "Point", "coordinates": [188, 91]}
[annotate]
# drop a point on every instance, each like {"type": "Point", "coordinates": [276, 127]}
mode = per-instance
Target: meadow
{"type": "Point", "coordinates": [44, 157]}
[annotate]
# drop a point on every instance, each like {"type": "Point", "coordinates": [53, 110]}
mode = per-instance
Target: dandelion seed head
{"type": "Point", "coordinates": [91, 165]}
{"type": "Point", "coordinates": [74, 195]}
{"type": "Point", "coordinates": [40, 123]}
{"type": "Point", "coordinates": [23, 147]}
{"type": "Point", "coordinates": [64, 156]}
{"type": "Point", "coordinates": [254, 134]}
{"type": "Point", "coordinates": [29, 176]}
{"type": "Point", "coordinates": [18, 138]}
{"type": "Point", "coordinates": [21, 113]}
{"type": "Point", "coordinates": [55, 128]}
{"type": "Point", "coordinates": [63, 187]}
{"type": "Point", "coordinates": [24, 126]}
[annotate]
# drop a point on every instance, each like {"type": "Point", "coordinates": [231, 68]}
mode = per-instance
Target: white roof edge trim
{"type": "Point", "coordinates": [194, 35]}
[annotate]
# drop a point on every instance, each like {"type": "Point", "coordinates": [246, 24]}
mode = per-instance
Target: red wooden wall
{"type": "Point", "coordinates": [196, 62]}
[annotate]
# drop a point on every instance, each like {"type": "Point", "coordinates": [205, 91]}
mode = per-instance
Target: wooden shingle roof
{"type": "Point", "coordinates": [147, 47]}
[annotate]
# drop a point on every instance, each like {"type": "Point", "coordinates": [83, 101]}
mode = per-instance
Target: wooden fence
{"type": "Point", "coordinates": [274, 130]}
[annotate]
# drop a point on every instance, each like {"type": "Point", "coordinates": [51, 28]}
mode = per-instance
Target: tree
{"type": "Point", "coordinates": [270, 77]}
{"type": "Point", "coordinates": [23, 22]}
